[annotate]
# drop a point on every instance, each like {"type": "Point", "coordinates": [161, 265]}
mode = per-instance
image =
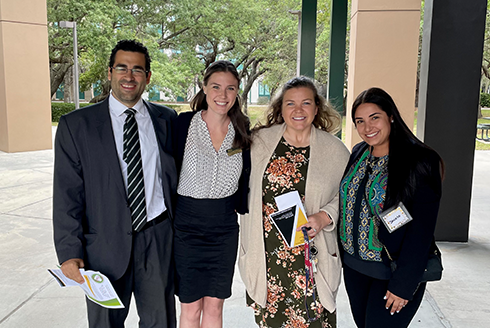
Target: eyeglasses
{"type": "Point", "coordinates": [134, 71]}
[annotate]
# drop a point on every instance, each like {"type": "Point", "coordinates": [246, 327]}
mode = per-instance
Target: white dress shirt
{"type": "Point", "coordinates": [150, 155]}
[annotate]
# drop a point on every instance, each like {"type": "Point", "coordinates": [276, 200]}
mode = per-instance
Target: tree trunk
{"type": "Point", "coordinates": [272, 91]}
{"type": "Point", "coordinates": [246, 90]}
{"type": "Point", "coordinates": [106, 88]}
{"type": "Point", "coordinates": [57, 74]}
{"type": "Point", "coordinates": [486, 73]}
{"type": "Point", "coordinates": [253, 75]}
{"type": "Point", "coordinates": [68, 95]}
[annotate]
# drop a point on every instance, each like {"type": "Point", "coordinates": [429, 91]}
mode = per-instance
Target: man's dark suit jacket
{"type": "Point", "coordinates": [91, 215]}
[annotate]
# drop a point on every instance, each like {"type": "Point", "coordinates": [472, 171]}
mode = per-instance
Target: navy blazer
{"type": "Point", "coordinates": [410, 244]}
{"type": "Point", "coordinates": [181, 127]}
{"type": "Point", "coordinates": [91, 215]}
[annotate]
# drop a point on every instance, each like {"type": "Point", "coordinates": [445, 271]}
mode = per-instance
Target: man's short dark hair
{"type": "Point", "coordinates": [134, 46]}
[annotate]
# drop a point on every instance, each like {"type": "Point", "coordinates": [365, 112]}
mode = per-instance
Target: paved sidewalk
{"type": "Point", "coordinates": [31, 298]}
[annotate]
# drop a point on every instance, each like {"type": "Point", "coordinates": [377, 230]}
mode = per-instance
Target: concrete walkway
{"type": "Point", "coordinates": [29, 297]}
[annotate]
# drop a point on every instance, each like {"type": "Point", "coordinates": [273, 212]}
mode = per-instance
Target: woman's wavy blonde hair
{"type": "Point", "coordinates": [327, 118]}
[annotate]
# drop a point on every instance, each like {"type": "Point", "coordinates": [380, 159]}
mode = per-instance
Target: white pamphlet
{"type": "Point", "coordinates": [97, 287]}
{"type": "Point", "coordinates": [285, 202]}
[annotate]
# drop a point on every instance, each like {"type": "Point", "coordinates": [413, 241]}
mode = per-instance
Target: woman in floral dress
{"type": "Point", "coordinates": [293, 151]}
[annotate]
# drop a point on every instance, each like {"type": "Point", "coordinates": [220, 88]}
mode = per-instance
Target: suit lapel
{"type": "Point", "coordinates": [106, 135]}
{"type": "Point", "coordinates": [160, 125]}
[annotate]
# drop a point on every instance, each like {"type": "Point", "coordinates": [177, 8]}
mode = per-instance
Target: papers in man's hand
{"type": "Point", "coordinates": [97, 287]}
{"type": "Point", "coordinates": [290, 216]}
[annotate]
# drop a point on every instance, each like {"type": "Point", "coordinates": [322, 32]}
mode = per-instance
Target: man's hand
{"type": "Point", "coordinates": [396, 303]}
{"type": "Point", "coordinates": [70, 269]}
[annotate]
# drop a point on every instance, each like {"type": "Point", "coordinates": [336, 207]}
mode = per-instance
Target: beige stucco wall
{"type": "Point", "coordinates": [383, 51]}
{"type": "Point", "coordinates": [25, 107]}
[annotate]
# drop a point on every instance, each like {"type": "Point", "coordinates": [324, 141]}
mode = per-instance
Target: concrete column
{"type": "Point", "coordinates": [384, 37]}
{"type": "Point", "coordinates": [450, 71]}
{"type": "Point", "coordinates": [25, 106]}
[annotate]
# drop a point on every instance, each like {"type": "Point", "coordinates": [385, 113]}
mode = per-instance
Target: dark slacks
{"type": "Point", "coordinates": [368, 306]}
{"type": "Point", "coordinates": [150, 277]}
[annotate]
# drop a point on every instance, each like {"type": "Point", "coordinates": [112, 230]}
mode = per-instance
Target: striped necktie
{"type": "Point", "coordinates": [136, 183]}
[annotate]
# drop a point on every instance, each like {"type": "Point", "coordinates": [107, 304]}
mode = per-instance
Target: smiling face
{"type": "Point", "coordinates": [298, 108]}
{"type": "Point", "coordinates": [374, 127]}
{"type": "Point", "coordinates": [127, 87]}
{"type": "Point", "coordinates": [221, 91]}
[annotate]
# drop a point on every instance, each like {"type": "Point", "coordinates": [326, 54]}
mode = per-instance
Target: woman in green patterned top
{"type": "Point", "coordinates": [391, 166]}
{"type": "Point", "coordinates": [293, 151]}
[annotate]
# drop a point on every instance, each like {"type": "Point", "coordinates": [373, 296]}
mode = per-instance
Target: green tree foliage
{"type": "Point", "coordinates": [184, 37]}
{"type": "Point", "coordinates": [283, 44]}
{"type": "Point", "coordinates": [484, 100]}
{"type": "Point", "coordinates": [282, 68]}
{"type": "Point", "coordinates": [485, 68]}
{"type": "Point", "coordinates": [486, 46]}
{"type": "Point", "coordinates": [257, 36]}
{"type": "Point", "coordinates": [96, 34]}
{"type": "Point", "coordinates": [323, 41]}
{"type": "Point", "coordinates": [100, 24]}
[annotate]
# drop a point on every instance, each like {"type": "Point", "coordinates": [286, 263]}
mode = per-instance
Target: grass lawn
{"type": "Point", "coordinates": [482, 145]}
{"type": "Point", "coordinates": [256, 113]}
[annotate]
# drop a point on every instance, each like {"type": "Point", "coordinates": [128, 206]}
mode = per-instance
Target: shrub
{"type": "Point", "coordinates": [485, 100]}
{"type": "Point", "coordinates": [177, 108]}
{"type": "Point", "coordinates": [59, 109]}
{"type": "Point", "coordinates": [263, 100]}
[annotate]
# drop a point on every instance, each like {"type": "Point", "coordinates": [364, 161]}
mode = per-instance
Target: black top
{"type": "Point", "coordinates": [180, 129]}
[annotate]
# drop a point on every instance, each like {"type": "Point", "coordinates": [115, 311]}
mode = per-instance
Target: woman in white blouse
{"type": "Point", "coordinates": [212, 153]}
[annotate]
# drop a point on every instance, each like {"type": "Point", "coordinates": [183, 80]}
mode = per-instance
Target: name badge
{"type": "Point", "coordinates": [395, 217]}
{"type": "Point", "coordinates": [233, 151]}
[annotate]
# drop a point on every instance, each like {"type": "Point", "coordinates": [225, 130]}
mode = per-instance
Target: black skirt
{"type": "Point", "coordinates": [205, 247]}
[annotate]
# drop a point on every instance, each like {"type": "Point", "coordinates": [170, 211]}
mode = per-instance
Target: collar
{"type": "Point", "coordinates": [117, 108]}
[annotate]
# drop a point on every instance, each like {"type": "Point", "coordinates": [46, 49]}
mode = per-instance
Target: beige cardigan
{"type": "Point", "coordinates": [328, 158]}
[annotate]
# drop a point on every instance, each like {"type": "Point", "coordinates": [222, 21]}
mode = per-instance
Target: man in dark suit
{"type": "Point", "coordinates": [106, 217]}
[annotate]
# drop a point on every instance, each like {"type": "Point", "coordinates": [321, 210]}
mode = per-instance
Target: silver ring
{"type": "Point", "coordinates": [313, 229]}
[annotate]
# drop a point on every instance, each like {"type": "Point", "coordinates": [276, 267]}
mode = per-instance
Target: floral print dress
{"type": "Point", "coordinates": [286, 280]}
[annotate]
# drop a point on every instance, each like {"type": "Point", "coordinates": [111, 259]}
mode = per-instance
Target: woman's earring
{"type": "Point", "coordinates": [392, 121]}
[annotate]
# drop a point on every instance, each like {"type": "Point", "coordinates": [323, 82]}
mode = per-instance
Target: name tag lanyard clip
{"type": "Point", "coordinates": [310, 268]}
